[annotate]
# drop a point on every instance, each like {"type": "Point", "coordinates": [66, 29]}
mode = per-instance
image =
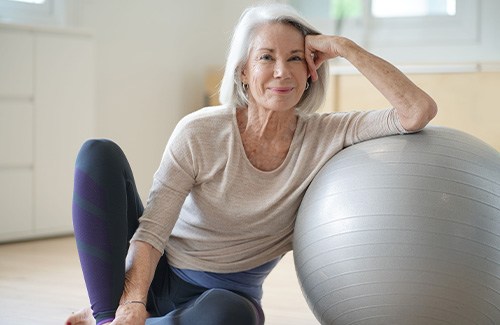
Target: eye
{"type": "Point", "coordinates": [296, 58]}
{"type": "Point", "coordinates": [266, 57]}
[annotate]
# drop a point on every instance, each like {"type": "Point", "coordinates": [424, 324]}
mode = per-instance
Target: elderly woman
{"type": "Point", "coordinates": [221, 210]}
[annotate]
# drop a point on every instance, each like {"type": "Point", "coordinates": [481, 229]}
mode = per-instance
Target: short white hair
{"type": "Point", "coordinates": [232, 92]}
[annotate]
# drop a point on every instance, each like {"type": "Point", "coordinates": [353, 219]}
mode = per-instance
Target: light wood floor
{"type": "Point", "coordinates": [41, 283]}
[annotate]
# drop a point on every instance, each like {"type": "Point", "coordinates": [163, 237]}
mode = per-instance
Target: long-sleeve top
{"type": "Point", "coordinates": [212, 210]}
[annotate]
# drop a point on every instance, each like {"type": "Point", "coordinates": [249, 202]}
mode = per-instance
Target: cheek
{"type": "Point", "coordinates": [259, 75]}
{"type": "Point", "coordinates": [257, 71]}
{"type": "Point", "coordinates": [302, 72]}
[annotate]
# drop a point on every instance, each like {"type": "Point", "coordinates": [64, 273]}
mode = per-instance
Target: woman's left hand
{"type": "Point", "coordinates": [320, 48]}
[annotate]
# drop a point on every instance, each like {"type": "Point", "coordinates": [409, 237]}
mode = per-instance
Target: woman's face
{"type": "Point", "coordinates": [276, 70]}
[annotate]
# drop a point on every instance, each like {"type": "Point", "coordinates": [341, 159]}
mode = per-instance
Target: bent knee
{"type": "Point", "coordinates": [99, 152]}
{"type": "Point", "coordinates": [228, 307]}
{"type": "Point", "coordinates": [99, 146]}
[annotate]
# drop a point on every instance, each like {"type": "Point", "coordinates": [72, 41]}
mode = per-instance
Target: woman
{"type": "Point", "coordinates": [221, 210]}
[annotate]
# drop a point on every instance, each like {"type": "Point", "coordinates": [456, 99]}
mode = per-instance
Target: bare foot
{"type": "Point", "coordinates": [81, 317]}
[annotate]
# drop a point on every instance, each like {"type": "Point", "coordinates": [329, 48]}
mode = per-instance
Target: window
{"type": "Point", "coordinates": [29, 1]}
{"type": "Point", "coordinates": [34, 12]}
{"type": "Point", "coordinates": [397, 29]}
{"type": "Point", "coordinates": [429, 22]}
{"type": "Point", "coordinates": [414, 8]}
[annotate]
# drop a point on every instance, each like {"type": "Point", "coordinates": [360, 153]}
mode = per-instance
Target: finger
{"type": "Point", "coordinates": [310, 58]}
{"type": "Point", "coordinates": [311, 65]}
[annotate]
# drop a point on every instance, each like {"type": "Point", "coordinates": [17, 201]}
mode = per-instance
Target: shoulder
{"type": "Point", "coordinates": [204, 121]}
{"type": "Point", "coordinates": [200, 140]}
{"type": "Point", "coordinates": [207, 116]}
{"type": "Point", "coordinates": [203, 131]}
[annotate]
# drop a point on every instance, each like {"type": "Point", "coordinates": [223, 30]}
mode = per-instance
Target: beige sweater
{"type": "Point", "coordinates": [212, 210]}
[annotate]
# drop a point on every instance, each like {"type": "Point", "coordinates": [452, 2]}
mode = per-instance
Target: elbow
{"type": "Point", "coordinates": [420, 117]}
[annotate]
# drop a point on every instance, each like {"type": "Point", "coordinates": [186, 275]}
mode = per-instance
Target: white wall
{"type": "Point", "coordinates": [151, 58]}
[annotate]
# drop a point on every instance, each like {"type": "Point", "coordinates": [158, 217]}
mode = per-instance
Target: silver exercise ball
{"type": "Point", "coordinates": [403, 230]}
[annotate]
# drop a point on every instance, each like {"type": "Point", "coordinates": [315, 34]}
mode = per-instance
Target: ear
{"type": "Point", "coordinates": [243, 74]}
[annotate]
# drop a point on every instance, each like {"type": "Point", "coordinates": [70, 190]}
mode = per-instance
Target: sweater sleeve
{"type": "Point", "coordinates": [362, 126]}
{"type": "Point", "coordinates": [172, 183]}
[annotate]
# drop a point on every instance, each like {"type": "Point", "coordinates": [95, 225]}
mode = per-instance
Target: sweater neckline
{"type": "Point", "coordinates": [241, 148]}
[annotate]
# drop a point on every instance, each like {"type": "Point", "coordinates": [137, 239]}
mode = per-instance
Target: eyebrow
{"type": "Point", "coordinates": [272, 50]}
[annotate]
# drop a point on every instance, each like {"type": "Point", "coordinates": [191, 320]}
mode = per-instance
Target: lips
{"type": "Point", "coordinates": [281, 90]}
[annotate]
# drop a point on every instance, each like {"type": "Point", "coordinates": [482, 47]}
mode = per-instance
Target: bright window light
{"type": "Point", "coordinates": [451, 8]}
{"type": "Point", "coordinates": [37, 2]}
{"type": "Point", "coordinates": [413, 8]}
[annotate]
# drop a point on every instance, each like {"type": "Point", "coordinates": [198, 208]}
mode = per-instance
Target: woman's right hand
{"type": "Point", "coordinates": [141, 262]}
{"type": "Point", "coordinates": [130, 314]}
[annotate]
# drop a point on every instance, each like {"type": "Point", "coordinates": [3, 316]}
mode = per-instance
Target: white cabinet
{"type": "Point", "coordinates": [16, 134]}
{"type": "Point", "coordinates": [16, 63]}
{"type": "Point", "coordinates": [46, 112]}
{"type": "Point", "coordinates": [16, 199]}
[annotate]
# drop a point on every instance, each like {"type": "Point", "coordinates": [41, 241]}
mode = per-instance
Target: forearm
{"type": "Point", "coordinates": [414, 107]}
{"type": "Point", "coordinates": [142, 259]}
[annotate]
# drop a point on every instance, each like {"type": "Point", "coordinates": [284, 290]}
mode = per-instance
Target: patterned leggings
{"type": "Point", "coordinates": [106, 209]}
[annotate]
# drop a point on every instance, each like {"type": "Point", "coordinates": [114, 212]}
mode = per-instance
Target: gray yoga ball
{"type": "Point", "coordinates": [403, 230]}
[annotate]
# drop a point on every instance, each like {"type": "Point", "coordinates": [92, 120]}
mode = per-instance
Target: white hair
{"type": "Point", "coordinates": [232, 92]}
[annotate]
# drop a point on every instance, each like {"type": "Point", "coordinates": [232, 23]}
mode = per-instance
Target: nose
{"type": "Point", "coordinates": [280, 69]}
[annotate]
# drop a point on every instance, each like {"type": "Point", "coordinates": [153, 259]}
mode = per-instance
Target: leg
{"type": "Point", "coordinates": [106, 208]}
{"type": "Point", "coordinates": [213, 307]}
{"type": "Point", "coordinates": [177, 302]}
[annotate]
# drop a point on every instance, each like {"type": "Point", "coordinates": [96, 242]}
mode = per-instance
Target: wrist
{"type": "Point", "coordinates": [347, 48]}
{"type": "Point", "coordinates": [135, 302]}
{"type": "Point", "coordinates": [132, 291]}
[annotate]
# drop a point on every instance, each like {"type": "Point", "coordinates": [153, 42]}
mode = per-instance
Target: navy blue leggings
{"type": "Point", "coordinates": [106, 209]}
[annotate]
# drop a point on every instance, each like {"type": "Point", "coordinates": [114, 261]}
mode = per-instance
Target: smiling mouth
{"type": "Point", "coordinates": [281, 90]}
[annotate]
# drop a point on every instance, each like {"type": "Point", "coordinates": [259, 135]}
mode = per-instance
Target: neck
{"type": "Point", "coordinates": [268, 125]}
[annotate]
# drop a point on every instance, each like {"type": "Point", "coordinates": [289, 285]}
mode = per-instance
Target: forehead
{"type": "Point", "coordinates": [277, 36]}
